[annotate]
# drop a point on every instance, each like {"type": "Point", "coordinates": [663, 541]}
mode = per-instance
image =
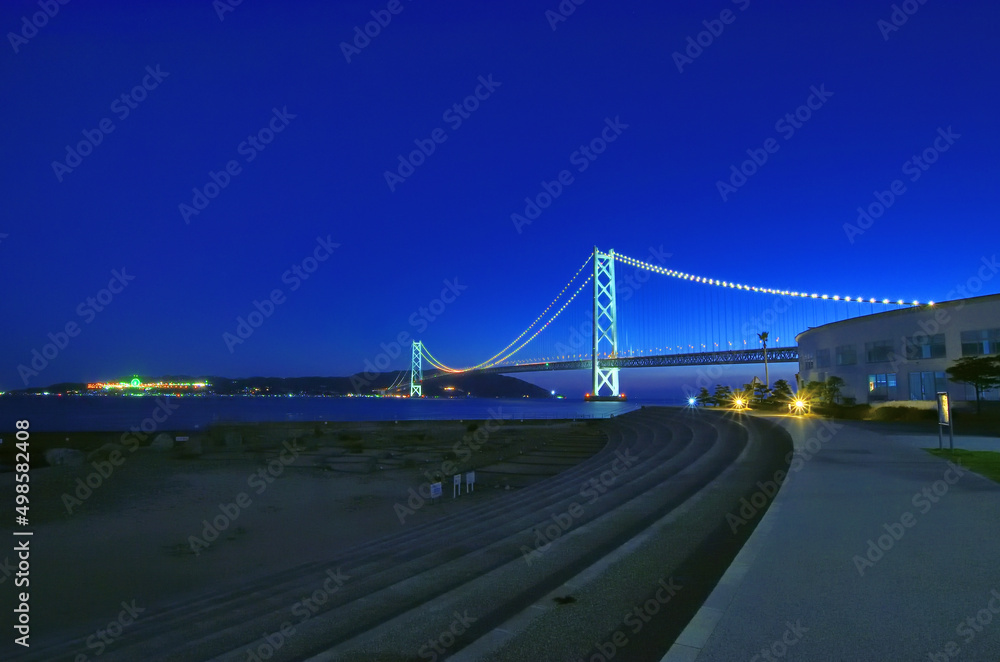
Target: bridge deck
{"type": "Point", "coordinates": [735, 357]}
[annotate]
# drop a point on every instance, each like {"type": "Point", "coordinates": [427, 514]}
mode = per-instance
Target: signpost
{"type": "Point", "coordinates": [456, 487]}
{"type": "Point", "coordinates": [435, 490]}
{"type": "Point", "coordinates": [470, 482]}
{"type": "Point", "coordinates": [944, 419]}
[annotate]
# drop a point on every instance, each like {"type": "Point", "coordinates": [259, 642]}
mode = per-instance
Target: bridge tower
{"type": "Point", "coordinates": [605, 322]}
{"type": "Point", "coordinates": [417, 370]}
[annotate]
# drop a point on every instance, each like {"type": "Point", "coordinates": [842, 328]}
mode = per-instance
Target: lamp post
{"type": "Point", "coordinates": [763, 339]}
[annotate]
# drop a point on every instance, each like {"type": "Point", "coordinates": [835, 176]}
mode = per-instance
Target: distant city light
{"type": "Point", "coordinates": [135, 383]}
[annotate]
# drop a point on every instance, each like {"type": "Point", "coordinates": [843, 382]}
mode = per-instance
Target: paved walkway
{"type": "Point", "coordinates": [872, 550]}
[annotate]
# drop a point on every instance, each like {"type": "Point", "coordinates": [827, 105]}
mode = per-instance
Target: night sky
{"type": "Point", "coordinates": [267, 91]}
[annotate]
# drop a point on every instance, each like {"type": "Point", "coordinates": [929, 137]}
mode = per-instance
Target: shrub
{"type": "Point", "coordinates": [903, 414]}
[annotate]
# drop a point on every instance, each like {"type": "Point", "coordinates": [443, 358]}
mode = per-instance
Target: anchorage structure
{"type": "Point", "coordinates": [605, 322]}
{"type": "Point", "coordinates": [417, 370]}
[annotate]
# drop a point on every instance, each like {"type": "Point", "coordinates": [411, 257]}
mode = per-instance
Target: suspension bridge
{"type": "Point", "coordinates": [678, 319]}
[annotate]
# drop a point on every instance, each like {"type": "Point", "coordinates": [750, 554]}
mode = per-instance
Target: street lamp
{"type": "Point", "coordinates": [763, 339]}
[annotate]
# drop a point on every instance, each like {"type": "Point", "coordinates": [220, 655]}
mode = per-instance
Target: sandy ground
{"type": "Point", "coordinates": [131, 538]}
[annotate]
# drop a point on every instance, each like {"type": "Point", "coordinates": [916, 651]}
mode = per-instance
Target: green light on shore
{"type": "Point", "coordinates": [135, 381]}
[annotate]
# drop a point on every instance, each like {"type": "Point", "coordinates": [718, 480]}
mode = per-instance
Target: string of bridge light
{"type": "Point", "coordinates": [628, 353]}
{"type": "Point", "coordinates": [752, 288]}
{"type": "Point", "coordinates": [530, 326]}
{"type": "Point", "coordinates": [441, 366]}
{"type": "Point", "coordinates": [547, 308]}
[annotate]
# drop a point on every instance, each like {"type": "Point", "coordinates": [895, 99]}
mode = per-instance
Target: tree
{"type": "Point", "coordinates": [832, 388]}
{"type": "Point", "coordinates": [983, 372]}
{"type": "Point", "coordinates": [814, 390]}
{"type": "Point", "coordinates": [723, 395]}
{"type": "Point", "coordinates": [782, 391]}
{"type": "Point", "coordinates": [704, 397]}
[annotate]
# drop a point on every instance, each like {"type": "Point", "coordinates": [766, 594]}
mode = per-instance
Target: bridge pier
{"type": "Point", "coordinates": [605, 326]}
{"type": "Point", "coordinates": [417, 370]}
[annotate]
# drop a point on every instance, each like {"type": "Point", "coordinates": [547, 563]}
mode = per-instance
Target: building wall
{"type": "Point", "coordinates": [899, 355]}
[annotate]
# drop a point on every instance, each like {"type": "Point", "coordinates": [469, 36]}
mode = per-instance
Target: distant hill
{"type": "Point", "coordinates": [484, 386]}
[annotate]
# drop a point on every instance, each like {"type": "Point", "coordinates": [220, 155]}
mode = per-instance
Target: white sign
{"type": "Point", "coordinates": [944, 412]}
{"type": "Point", "coordinates": [470, 481]}
{"type": "Point", "coordinates": [944, 419]}
{"type": "Point", "coordinates": [456, 485]}
{"type": "Point", "coordinates": [435, 490]}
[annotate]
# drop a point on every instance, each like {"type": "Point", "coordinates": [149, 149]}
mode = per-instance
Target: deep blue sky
{"type": "Point", "coordinates": [323, 175]}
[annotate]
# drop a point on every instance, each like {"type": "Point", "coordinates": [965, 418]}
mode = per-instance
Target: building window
{"type": "Point", "coordinates": [822, 358]}
{"type": "Point", "coordinates": [926, 385]}
{"type": "Point", "coordinates": [882, 386]}
{"type": "Point", "coordinates": [847, 355]}
{"type": "Point", "coordinates": [807, 362]}
{"type": "Point", "coordinates": [979, 343]}
{"type": "Point", "coordinates": [927, 347]}
{"type": "Point", "coordinates": [878, 351]}
{"type": "Point", "coordinates": [988, 394]}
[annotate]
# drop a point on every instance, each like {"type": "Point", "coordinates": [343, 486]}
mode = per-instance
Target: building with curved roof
{"type": "Point", "coordinates": [902, 354]}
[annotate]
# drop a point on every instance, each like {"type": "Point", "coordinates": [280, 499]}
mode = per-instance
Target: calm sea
{"type": "Point", "coordinates": [64, 413]}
